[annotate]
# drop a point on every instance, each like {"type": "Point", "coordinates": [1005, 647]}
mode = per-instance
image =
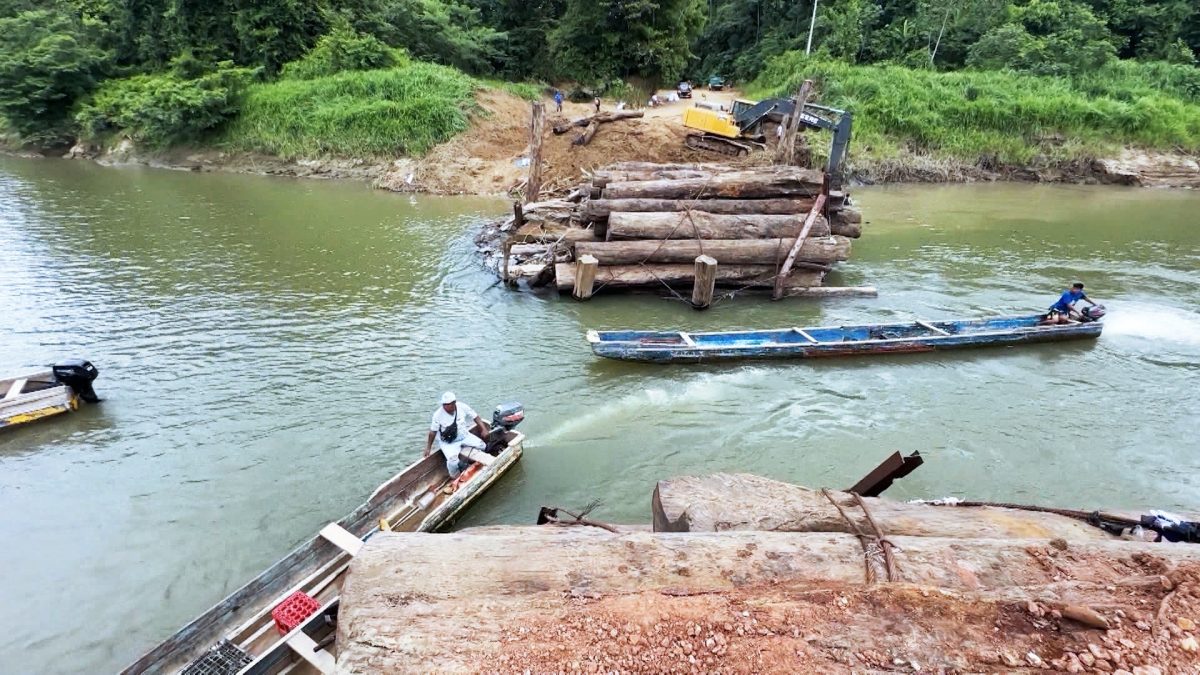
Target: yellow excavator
{"type": "Point", "coordinates": [740, 130]}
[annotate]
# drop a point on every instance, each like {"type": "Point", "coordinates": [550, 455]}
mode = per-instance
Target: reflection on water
{"type": "Point", "coordinates": [271, 351]}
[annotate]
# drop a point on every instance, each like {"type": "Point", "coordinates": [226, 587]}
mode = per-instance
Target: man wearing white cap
{"type": "Point", "coordinates": [449, 428]}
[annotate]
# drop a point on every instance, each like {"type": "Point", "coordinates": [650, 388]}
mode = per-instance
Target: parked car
{"type": "Point", "coordinates": [684, 89]}
{"type": "Point", "coordinates": [716, 83]}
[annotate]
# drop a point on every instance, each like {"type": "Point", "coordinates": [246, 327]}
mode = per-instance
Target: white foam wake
{"type": "Point", "coordinates": [1158, 323]}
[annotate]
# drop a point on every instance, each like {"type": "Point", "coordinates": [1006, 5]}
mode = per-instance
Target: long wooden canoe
{"type": "Point", "coordinates": [892, 338]}
{"type": "Point", "coordinates": [238, 635]}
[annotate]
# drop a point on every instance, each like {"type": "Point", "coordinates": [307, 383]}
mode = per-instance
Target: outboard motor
{"type": "Point", "coordinates": [505, 418]}
{"type": "Point", "coordinates": [1093, 313]}
{"type": "Point", "coordinates": [78, 375]}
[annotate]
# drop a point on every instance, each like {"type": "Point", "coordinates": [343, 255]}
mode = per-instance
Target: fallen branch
{"type": "Point", "coordinates": [549, 515]}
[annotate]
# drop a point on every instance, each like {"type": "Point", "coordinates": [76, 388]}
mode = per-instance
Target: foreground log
{"type": "Point", "coordinates": [633, 276]}
{"type": "Point", "coordinates": [703, 225]}
{"type": "Point", "coordinates": [550, 599]}
{"type": "Point", "coordinates": [746, 502]}
{"type": "Point", "coordinates": [539, 232]}
{"type": "Point", "coordinates": [735, 185]}
{"type": "Point", "coordinates": [822, 250]}
{"type": "Point", "coordinates": [792, 291]}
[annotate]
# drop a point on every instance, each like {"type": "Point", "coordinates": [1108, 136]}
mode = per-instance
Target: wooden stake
{"type": "Point", "coordinates": [706, 282]}
{"type": "Point", "coordinates": [507, 250]}
{"type": "Point", "coordinates": [787, 152]}
{"type": "Point", "coordinates": [518, 215]}
{"type": "Point", "coordinates": [585, 276]}
{"type": "Point", "coordinates": [534, 186]}
{"type": "Point", "coordinates": [784, 271]}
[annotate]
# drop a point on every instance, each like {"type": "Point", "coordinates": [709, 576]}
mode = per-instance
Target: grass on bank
{"type": "Point", "coordinates": [375, 113]}
{"type": "Point", "coordinates": [1002, 117]}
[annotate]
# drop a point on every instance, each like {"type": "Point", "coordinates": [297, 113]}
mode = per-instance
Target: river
{"type": "Point", "coordinates": [271, 350]}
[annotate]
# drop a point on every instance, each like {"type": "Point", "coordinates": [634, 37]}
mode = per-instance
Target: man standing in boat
{"type": "Point", "coordinates": [1061, 311]}
{"type": "Point", "coordinates": [449, 427]}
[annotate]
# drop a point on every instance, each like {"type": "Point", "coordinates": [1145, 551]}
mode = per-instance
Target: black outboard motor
{"type": "Point", "coordinates": [78, 375]}
{"type": "Point", "coordinates": [505, 418]}
{"type": "Point", "coordinates": [1092, 313]}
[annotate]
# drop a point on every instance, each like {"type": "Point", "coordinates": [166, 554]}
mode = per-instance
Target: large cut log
{"type": "Point", "coordinates": [633, 276]}
{"type": "Point", "coordinates": [735, 185]}
{"type": "Point", "coordinates": [548, 233]}
{"type": "Point", "coordinates": [603, 178]}
{"type": "Point", "coordinates": [562, 126]}
{"type": "Point", "coordinates": [822, 250]}
{"type": "Point", "coordinates": [746, 502]}
{"type": "Point", "coordinates": [553, 599]}
{"type": "Point", "coordinates": [792, 291]}
{"type": "Point", "coordinates": [598, 209]}
{"type": "Point", "coordinates": [703, 225]}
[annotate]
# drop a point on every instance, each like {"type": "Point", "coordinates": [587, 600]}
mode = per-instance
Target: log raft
{"type": "Point", "coordinates": [647, 224]}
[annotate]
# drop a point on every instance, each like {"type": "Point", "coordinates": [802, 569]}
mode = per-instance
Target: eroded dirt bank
{"type": "Point", "coordinates": [489, 158]}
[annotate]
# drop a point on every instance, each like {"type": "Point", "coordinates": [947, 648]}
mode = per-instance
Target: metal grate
{"type": "Point", "coordinates": [224, 659]}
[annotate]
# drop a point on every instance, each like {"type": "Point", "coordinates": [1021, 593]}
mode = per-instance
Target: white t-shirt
{"type": "Point", "coordinates": [442, 419]}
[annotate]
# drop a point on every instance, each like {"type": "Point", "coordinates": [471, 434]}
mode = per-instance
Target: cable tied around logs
{"type": "Point", "coordinates": [873, 545]}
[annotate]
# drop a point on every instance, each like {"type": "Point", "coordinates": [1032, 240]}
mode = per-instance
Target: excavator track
{"type": "Point", "coordinates": [720, 144]}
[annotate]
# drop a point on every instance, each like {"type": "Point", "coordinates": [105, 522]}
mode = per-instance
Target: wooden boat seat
{"type": "Point", "coordinates": [15, 389]}
{"type": "Point", "coordinates": [929, 326]}
{"type": "Point", "coordinates": [342, 538]}
{"type": "Point", "coordinates": [307, 649]}
{"type": "Point", "coordinates": [804, 335]}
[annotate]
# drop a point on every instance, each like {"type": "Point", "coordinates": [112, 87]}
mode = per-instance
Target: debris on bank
{"type": "Point", "coordinates": [743, 574]}
{"type": "Point", "coordinates": [663, 226]}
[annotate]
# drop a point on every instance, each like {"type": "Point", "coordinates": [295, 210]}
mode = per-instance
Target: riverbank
{"type": "Point", "coordinates": [488, 158]}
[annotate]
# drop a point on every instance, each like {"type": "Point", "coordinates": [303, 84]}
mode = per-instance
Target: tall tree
{"type": "Point", "coordinates": [597, 40]}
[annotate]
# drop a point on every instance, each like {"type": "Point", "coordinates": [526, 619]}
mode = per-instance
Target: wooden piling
{"type": "Point", "coordinates": [585, 276]}
{"type": "Point", "coordinates": [536, 128]}
{"type": "Point", "coordinates": [787, 151]}
{"type": "Point", "coordinates": [706, 282]}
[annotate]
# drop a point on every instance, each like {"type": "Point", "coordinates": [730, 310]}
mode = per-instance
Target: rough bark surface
{"type": "Point", "coordinates": [556, 599]}
{"type": "Point", "coordinates": [704, 225]}
{"type": "Point", "coordinates": [736, 184]}
{"type": "Point", "coordinates": [628, 276]}
{"type": "Point", "coordinates": [741, 501]}
{"type": "Point", "coordinates": [822, 250]}
{"type": "Point", "coordinates": [596, 209]}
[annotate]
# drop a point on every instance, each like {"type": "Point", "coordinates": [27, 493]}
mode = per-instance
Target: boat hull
{"type": "Point", "coordinates": [38, 396]}
{"type": "Point", "coordinates": [243, 617]}
{"type": "Point", "coordinates": [797, 343]}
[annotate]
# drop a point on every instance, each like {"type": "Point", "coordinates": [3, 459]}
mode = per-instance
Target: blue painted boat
{"type": "Point", "coordinates": [892, 338]}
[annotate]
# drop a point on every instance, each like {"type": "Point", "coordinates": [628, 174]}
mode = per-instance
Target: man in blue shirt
{"type": "Point", "coordinates": [1061, 311]}
{"type": "Point", "coordinates": [558, 99]}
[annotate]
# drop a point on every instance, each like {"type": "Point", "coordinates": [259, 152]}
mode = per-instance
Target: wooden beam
{"type": "Point", "coordinates": [585, 276]}
{"type": "Point", "coordinates": [536, 130]}
{"type": "Point", "coordinates": [687, 339]}
{"type": "Point", "coordinates": [705, 284]}
{"type": "Point", "coordinates": [818, 207]}
{"type": "Point", "coordinates": [307, 649]}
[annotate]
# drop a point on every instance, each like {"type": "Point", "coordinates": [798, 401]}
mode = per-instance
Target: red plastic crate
{"type": "Point", "coordinates": [293, 611]}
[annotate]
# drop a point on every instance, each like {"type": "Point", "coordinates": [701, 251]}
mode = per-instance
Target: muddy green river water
{"type": "Point", "coordinates": [271, 350]}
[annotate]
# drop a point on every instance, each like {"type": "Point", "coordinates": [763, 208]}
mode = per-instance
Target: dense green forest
{"type": "Point", "coordinates": [380, 76]}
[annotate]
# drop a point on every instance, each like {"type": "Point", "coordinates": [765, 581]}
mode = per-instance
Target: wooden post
{"type": "Point", "coordinates": [518, 215]}
{"type": "Point", "coordinates": [706, 282]}
{"type": "Point", "coordinates": [585, 276]}
{"type": "Point", "coordinates": [787, 150]}
{"type": "Point", "coordinates": [534, 186]}
{"type": "Point", "coordinates": [818, 207]}
{"type": "Point", "coordinates": [506, 249]}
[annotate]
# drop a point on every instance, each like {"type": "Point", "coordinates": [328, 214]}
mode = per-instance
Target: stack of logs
{"type": "Point", "coordinates": [700, 225]}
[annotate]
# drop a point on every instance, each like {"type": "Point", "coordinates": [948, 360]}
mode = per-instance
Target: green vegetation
{"type": "Point", "coordinates": [1005, 80]}
{"type": "Point", "coordinates": [1005, 117]}
{"type": "Point", "coordinates": [404, 110]}
{"type": "Point", "coordinates": [159, 110]}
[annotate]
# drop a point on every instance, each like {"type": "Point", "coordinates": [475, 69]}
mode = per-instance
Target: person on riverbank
{"type": "Point", "coordinates": [558, 99]}
{"type": "Point", "coordinates": [449, 427]}
{"type": "Point", "coordinates": [596, 102]}
{"type": "Point", "coordinates": [1063, 311]}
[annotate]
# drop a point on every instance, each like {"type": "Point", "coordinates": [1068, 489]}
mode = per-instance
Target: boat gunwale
{"type": "Point", "coordinates": [634, 345]}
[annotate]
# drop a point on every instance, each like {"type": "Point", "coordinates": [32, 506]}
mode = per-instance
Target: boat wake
{"type": "Point", "coordinates": [652, 402]}
{"type": "Point", "coordinates": [1158, 323]}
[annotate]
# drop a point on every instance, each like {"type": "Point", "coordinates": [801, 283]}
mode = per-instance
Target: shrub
{"type": "Point", "coordinates": [343, 50]}
{"type": "Point", "coordinates": [158, 110]}
{"type": "Point", "coordinates": [46, 63]}
{"type": "Point", "coordinates": [404, 110]}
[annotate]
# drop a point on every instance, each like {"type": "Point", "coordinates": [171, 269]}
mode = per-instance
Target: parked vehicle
{"type": "Point", "coordinates": [684, 89]}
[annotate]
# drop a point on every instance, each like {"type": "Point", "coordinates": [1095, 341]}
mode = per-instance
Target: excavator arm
{"type": "Point", "coordinates": [750, 116]}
